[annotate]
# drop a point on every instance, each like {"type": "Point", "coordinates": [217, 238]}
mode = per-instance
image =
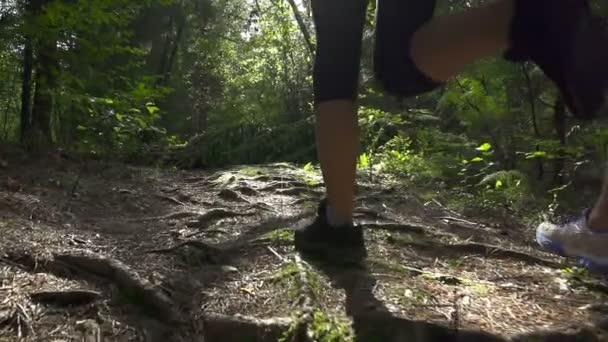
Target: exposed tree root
{"type": "Point", "coordinates": [214, 214]}
{"type": "Point", "coordinates": [288, 186]}
{"type": "Point", "coordinates": [260, 206]}
{"type": "Point", "coordinates": [231, 195]}
{"type": "Point", "coordinates": [295, 191]}
{"type": "Point", "coordinates": [303, 200]}
{"type": "Point", "coordinates": [173, 216]}
{"type": "Point", "coordinates": [457, 219]}
{"type": "Point", "coordinates": [485, 250]}
{"type": "Point", "coordinates": [398, 227]}
{"type": "Point", "coordinates": [467, 231]}
{"type": "Point", "coordinates": [79, 263]}
{"type": "Point", "coordinates": [195, 179]}
{"type": "Point", "coordinates": [216, 327]}
{"type": "Point", "coordinates": [171, 200]}
{"type": "Point", "coordinates": [241, 328]}
{"type": "Point", "coordinates": [66, 298]}
{"type": "Point", "coordinates": [274, 179]}
{"type": "Point", "coordinates": [247, 191]}
{"type": "Point", "coordinates": [211, 254]}
{"type": "Point", "coordinates": [305, 303]}
{"type": "Point", "coordinates": [366, 212]}
{"type": "Point", "coordinates": [500, 253]}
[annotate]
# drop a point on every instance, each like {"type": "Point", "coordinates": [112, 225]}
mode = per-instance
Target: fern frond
{"type": "Point", "coordinates": [505, 176]}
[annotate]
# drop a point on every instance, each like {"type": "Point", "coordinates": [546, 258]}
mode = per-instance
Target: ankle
{"type": "Point", "coordinates": [336, 219]}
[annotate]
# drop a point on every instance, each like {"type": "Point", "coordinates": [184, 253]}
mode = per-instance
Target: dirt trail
{"type": "Point", "coordinates": [106, 252]}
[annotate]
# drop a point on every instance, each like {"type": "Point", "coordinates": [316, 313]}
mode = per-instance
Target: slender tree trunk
{"type": "Point", "coordinates": [7, 107]}
{"type": "Point", "coordinates": [36, 118]}
{"type": "Point", "coordinates": [559, 120]}
{"type": "Point", "coordinates": [302, 25]}
{"type": "Point", "coordinates": [174, 48]}
{"type": "Point", "coordinates": [532, 102]}
{"type": "Point", "coordinates": [46, 83]}
{"type": "Point", "coordinates": [164, 57]}
{"type": "Point", "coordinates": [26, 88]}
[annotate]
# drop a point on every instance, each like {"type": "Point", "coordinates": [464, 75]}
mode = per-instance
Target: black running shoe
{"type": "Point", "coordinates": [339, 244]}
{"type": "Point", "coordinates": [570, 45]}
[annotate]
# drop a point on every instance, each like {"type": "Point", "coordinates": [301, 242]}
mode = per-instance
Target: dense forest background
{"type": "Point", "coordinates": [208, 83]}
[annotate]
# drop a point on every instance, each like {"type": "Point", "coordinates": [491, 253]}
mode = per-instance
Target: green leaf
{"type": "Point", "coordinates": [120, 117]}
{"type": "Point", "coordinates": [81, 128]}
{"type": "Point", "coordinates": [476, 160]}
{"type": "Point", "coordinates": [364, 160]}
{"type": "Point", "coordinates": [536, 154]}
{"type": "Point", "coordinates": [141, 123]}
{"type": "Point", "coordinates": [308, 167]}
{"type": "Point", "coordinates": [152, 108]}
{"type": "Point", "coordinates": [498, 184]}
{"type": "Point", "coordinates": [484, 147]}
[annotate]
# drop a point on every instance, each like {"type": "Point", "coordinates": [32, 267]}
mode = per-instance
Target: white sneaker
{"type": "Point", "coordinates": [574, 238]}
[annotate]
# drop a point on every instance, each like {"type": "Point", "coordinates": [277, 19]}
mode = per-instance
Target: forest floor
{"type": "Point", "coordinates": [107, 252]}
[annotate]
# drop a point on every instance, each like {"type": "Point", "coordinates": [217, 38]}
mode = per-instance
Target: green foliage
{"type": "Point", "coordinates": [399, 158]}
{"type": "Point", "coordinates": [280, 236]}
{"type": "Point", "coordinates": [329, 329]}
{"type": "Point", "coordinates": [215, 82]}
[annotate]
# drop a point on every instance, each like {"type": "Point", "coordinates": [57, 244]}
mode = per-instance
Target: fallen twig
{"type": "Point", "coordinates": [275, 253]}
{"type": "Point", "coordinates": [449, 218]}
{"type": "Point", "coordinates": [24, 318]}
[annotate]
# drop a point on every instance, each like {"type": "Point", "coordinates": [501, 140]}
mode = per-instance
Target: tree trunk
{"type": "Point", "coordinates": [164, 57]}
{"type": "Point", "coordinates": [302, 25]}
{"type": "Point", "coordinates": [7, 106]}
{"type": "Point", "coordinates": [46, 82]}
{"type": "Point", "coordinates": [559, 120]}
{"type": "Point", "coordinates": [174, 48]}
{"type": "Point", "coordinates": [532, 102]}
{"type": "Point", "coordinates": [26, 88]}
{"type": "Point", "coordinates": [36, 118]}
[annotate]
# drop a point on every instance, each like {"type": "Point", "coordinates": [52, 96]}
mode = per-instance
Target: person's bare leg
{"type": "Point", "coordinates": [337, 146]}
{"type": "Point", "coordinates": [598, 218]}
{"type": "Point", "coordinates": [447, 44]}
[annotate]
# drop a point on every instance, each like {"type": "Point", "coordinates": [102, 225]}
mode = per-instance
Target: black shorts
{"type": "Point", "coordinates": [339, 28]}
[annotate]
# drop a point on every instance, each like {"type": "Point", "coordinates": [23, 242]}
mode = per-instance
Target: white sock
{"type": "Point", "coordinates": [336, 220]}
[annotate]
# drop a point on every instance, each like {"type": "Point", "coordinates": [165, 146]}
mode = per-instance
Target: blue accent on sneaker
{"type": "Point", "coordinates": [546, 243]}
{"type": "Point", "coordinates": [593, 266]}
{"type": "Point", "coordinates": [544, 239]}
{"type": "Point", "coordinates": [573, 238]}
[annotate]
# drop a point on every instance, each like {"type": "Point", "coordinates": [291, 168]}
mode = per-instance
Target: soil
{"type": "Point", "coordinates": [98, 251]}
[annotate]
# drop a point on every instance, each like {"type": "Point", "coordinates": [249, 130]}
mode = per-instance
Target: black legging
{"type": "Point", "coordinates": [339, 27]}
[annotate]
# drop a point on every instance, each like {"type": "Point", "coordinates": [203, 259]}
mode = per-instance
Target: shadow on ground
{"type": "Point", "coordinates": [373, 321]}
